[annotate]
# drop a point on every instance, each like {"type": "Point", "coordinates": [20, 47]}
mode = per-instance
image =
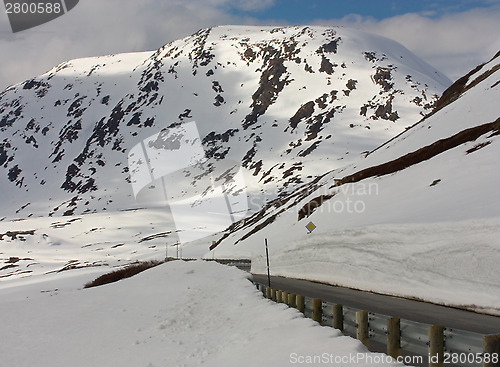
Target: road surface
{"type": "Point", "coordinates": [393, 306]}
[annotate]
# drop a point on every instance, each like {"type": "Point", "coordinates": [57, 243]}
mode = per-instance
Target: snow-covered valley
{"type": "Point", "coordinates": [177, 314]}
{"type": "Point", "coordinates": [342, 149]}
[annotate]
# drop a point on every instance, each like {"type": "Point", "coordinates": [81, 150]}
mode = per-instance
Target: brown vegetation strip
{"type": "Point", "coordinates": [424, 153]}
{"type": "Point", "coordinates": [460, 86]}
{"type": "Point", "coordinates": [126, 272]}
{"type": "Point", "coordinates": [307, 209]}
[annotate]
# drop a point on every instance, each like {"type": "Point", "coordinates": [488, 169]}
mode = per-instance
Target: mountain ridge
{"type": "Point", "coordinates": [418, 217]}
{"type": "Point", "coordinates": [284, 103]}
{"type": "Point", "coordinates": [463, 131]}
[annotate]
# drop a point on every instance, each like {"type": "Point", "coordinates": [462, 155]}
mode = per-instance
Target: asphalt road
{"type": "Point", "coordinates": [393, 306]}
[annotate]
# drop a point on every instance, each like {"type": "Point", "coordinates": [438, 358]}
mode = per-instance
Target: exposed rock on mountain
{"type": "Point", "coordinates": [286, 104]}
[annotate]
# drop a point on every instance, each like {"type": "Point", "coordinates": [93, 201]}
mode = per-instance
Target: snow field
{"type": "Point", "coordinates": [407, 260]}
{"type": "Point", "coordinates": [177, 314]}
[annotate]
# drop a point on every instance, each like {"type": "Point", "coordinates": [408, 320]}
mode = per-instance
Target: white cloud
{"type": "Point", "coordinates": [453, 43]}
{"type": "Point", "coordinates": [96, 27]}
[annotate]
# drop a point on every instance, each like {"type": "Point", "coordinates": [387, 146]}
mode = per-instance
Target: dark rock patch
{"type": "Point", "coordinates": [74, 109]}
{"type": "Point", "coordinates": [478, 146]}
{"type": "Point", "coordinates": [201, 55]}
{"type": "Point", "coordinates": [271, 81]}
{"type": "Point", "coordinates": [11, 117]}
{"type": "Point", "coordinates": [383, 78]}
{"type": "Point", "coordinates": [435, 182]}
{"type": "Point", "coordinates": [385, 111]}
{"type": "Point", "coordinates": [105, 100]}
{"type": "Point", "coordinates": [305, 111]}
{"type": "Point", "coordinates": [14, 234]}
{"type": "Point", "coordinates": [249, 155]}
{"type": "Point", "coordinates": [249, 54]}
{"type": "Point", "coordinates": [217, 87]}
{"type": "Point", "coordinates": [135, 120]}
{"type": "Point", "coordinates": [306, 152]}
{"type": "Point", "coordinates": [315, 124]}
{"type": "Point", "coordinates": [3, 152]}
{"type": "Point", "coordinates": [330, 47]}
{"type": "Point", "coordinates": [382, 111]}
{"type": "Point", "coordinates": [35, 84]}
{"type": "Point", "coordinates": [321, 101]}
{"type": "Point", "coordinates": [351, 84]}
{"type": "Point", "coordinates": [213, 137]}
{"type": "Point", "coordinates": [295, 167]}
{"type": "Point", "coordinates": [211, 146]}
{"type": "Point", "coordinates": [219, 100]}
{"type": "Point", "coordinates": [326, 65]}
{"type": "Point", "coordinates": [185, 114]}
{"type": "Point", "coordinates": [14, 173]}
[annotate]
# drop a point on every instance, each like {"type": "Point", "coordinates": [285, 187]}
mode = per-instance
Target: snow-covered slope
{"type": "Point", "coordinates": [36, 250]}
{"type": "Point", "coordinates": [177, 314]}
{"type": "Point", "coordinates": [419, 216]}
{"type": "Point", "coordinates": [286, 104]}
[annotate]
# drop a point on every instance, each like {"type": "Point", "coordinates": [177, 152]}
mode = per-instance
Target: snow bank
{"type": "Point", "coordinates": [177, 314]}
{"type": "Point", "coordinates": [409, 260]}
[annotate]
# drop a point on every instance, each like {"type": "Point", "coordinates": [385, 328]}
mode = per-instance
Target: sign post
{"type": "Point", "coordinates": [268, 273]}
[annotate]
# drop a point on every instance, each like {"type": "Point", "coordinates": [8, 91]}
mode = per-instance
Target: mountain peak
{"type": "Point", "coordinates": [283, 103]}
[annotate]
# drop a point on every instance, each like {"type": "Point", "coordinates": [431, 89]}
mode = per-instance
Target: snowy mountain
{"type": "Point", "coordinates": [419, 216]}
{"type": "Point", "coordinates": [412, 210]}
{"type": "Point", "coordinates": [277, 105]}
{"type": "Point", "coordinates": [327, 124]}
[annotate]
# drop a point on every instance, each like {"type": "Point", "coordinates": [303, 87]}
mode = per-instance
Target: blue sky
{"type": "Point", "coordinates": [452, 35]}
{"type": "Point", "coordinates": [301, 11]}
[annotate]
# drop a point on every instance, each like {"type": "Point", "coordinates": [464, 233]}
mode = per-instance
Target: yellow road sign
{"type": "Point", "coordinates": [310, 227]}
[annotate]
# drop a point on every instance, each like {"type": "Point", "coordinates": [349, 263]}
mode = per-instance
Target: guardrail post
{"type": "Point", "coordinates": [436, 345]}
{"type": "Point", "coordinates": [394, 337]}
{"type": "Point", "coordinates": [362, 327]}
{"type": "Point", "coordinates": [278, 296]}
{"type": "Point", "coordinates": [301, 303]}
{"type": "Point", "coordinates": [491, 350]}
{"type": "Point", "coordinates": [268, 293]}
{"type": "Point", "coordinates": [284, 297]}
{"type": "Point", "coordinates": [338, 317]}
{"type": "Point", "coordinates": [273, 294]}
{"type": "Point", "coordinates": [317, 306]}
{"type": "Point", "coordinates": [292, 300]}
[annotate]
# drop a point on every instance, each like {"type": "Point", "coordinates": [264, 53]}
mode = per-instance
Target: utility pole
{"type": "Point", "coordinates": [268, 273]}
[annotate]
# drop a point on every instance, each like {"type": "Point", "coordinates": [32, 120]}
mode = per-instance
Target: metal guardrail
{"type": "Point", "coordinates": [461, 348]}
{"type": "Point", "coordinates": [242, 264]}
{"type": "Point", "coordinates": [414, 337]}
